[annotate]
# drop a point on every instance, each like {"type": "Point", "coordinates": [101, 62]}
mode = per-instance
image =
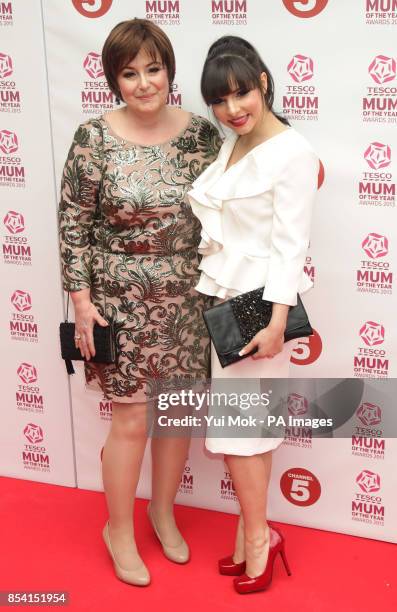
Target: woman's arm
{"type": "Point", "coordinates": [293, 198]}
{"type": "Point", "coordinates": [294, 193]}
{"type": "Point", "coordinates": [79, 198]}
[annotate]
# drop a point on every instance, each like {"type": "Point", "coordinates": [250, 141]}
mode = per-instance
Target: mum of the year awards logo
{"type": "Point", "coordinates": [186, 485]}
{"type": "Point", "coordinates": [374, 274]}
{"type": "Point", "coordinates": [371, 359]}
{"type": "Point", "coordinates": [229, 12]}
{"type": "Point", "coordinates": [92, 8]}
{"type": "Point", "coordinates": [22, 323]}
{"type": "Point", "coordinates": [227, 491]}
{"type": "Point", "coordinates": [367, 438]}
{"type": "Point", "coordinates": [381, 12]}
{"type": "Point", "coordinates": [300, 436]}
{"type": "Point", "coordinates": [12, 170]}
{"type": "Point", "coordinates": [96, 97]}
{"type": "Point", "coordinates": [175, 96]}
{"type": "Point", "coordinates": [376, 186]}
{"type": "Point", "coordinates": [35, 455]}
{"type": "Point", "coordinates": [16, 248]}
{"type": "Point", "coordinates": [10, 96]}
{"type": "Point", "coordinates": [305, 8]}
{"type": "Point", "coordinates": [300, 101]}
{"type": "Point", "coordinates": [105, 410]}
{"type": "Point", "coordinates": [163, 12]}
{"type": "Point", "coordinates": [28, 396]}
{"type": "Point", "coordinates": [367, 505]}
{"type": "Point", "coordinates": [380, 102]}
{"type": "Point", "coordinates": [6, 13]}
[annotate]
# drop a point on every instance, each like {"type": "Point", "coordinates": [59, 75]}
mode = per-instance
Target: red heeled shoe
{"type": "Point", "coordinates": [227, 567]}
{"type": "Point", "coordinates": [246, 584]}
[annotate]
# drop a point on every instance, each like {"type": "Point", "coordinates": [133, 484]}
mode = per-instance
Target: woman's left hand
{"type": "Point", "coordinates": [269, 341]}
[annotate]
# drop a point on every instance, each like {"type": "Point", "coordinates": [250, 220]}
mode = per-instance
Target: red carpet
{"type": "Point", "coordinates": [50, 541]}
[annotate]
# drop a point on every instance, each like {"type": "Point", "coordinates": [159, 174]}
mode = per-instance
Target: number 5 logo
{"type": "Point", "coordinates": [305, 8]}
{"type": "Point", "coordinates": [308, 350]}
{"type": "Point", "coordinates": [92, 8]}
{"type": "Point", "coordinates": [300, 487]}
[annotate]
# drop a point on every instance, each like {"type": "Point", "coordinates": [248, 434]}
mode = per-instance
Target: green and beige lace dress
{"type": "Point", "coordinates": [127, 230]}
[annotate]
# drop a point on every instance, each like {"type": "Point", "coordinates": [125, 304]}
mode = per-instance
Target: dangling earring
{"type": "Point", "coordinates": [117, 100]}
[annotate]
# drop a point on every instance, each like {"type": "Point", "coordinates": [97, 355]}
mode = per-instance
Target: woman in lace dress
{"type": "Point", "coordinates": [129, 254]}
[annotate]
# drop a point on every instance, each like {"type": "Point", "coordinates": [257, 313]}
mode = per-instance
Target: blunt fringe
{"type": "Point", "coordinates": [233, 63]}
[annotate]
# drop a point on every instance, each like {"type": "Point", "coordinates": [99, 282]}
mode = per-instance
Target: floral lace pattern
{"type": "Point", "coordinates": [128, 233]}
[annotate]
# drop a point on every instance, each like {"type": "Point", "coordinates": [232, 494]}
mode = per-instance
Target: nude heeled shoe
{"type": "Point", "coordinates": [137, 577]}
{"type": "Point", "coordinates": [179, 553]}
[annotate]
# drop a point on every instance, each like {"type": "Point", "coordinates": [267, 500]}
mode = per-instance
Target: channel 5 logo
{"type": "Point", "coordinates": [92, 8]}
{"type": "Point", "coordinates": [378, 155]}
{"type": "Point", "coordinates": [382, 69]}
{"type": "Point", "coordinates": [372, 333]}
{"type": "Point", "coordinates": [369, 414]}
{"type": "Point", "coordinates": [305, 8]}
{"type": "Point", "coordinates": [93, 65]}
{"type": "Point", "coordinates": [14, 222]}
{"type": "Point", "coordinates": [368, 481]}
{"type": "Point", "coordinates": [375, 245]}
{"type": "Point", "coordinates": [33, 433]}
{"type": "Point", "coordinates": [21, 300]}
{"type": "Point", "coordinates": [5, 66]}
{"type": "Point", "coordinates": [27, 373]}
{"type": "Point", "coordinates": [300, 487]}
{"type": "Point", "coordinates": [308, 350]}
{"type": "Point", "coordinates": [301, 68]}
{"type": "Point", "coordinates": [8, 142]}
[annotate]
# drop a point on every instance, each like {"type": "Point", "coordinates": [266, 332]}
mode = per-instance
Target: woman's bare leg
{"type": "Point", "coordinates": [169, 455]}
{"type": "Point", "coordinates": [239, 544]}
{"type": "Point", "coordinates": [121, 465]}
{"type": "Point", "coordinates": [251, 477]}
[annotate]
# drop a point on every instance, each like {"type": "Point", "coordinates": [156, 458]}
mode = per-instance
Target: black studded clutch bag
{"type": "Point", "coordinates": [233, 323]}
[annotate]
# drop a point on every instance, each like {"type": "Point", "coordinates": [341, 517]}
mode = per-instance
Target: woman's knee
{"type": "Point", "coordinates": [130, 421]}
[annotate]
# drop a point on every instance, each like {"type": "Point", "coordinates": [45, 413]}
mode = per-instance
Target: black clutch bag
{"type": "Point", "coordinates": [104, 337]}
{"type": "Point", "coordinates": [233, 323]}
{"type": "Point", "coordinates": [104, 342]}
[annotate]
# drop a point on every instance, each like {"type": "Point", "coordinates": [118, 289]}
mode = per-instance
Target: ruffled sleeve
{"type": "Point", "coordinates": [78, 203]}
{"type": "Point", "coordinates": [205, 206]}
{"type": "Point", "coordinates": [294, 193]}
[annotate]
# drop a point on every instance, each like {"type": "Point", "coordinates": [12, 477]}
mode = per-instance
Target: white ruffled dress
{"type": "Point", "coordinates": [255, 219]}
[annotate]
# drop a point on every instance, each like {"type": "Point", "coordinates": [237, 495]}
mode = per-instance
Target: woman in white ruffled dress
{"type": "Point", "coordinates": [255, 206]}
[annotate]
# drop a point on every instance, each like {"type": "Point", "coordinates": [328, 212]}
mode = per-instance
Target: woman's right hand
{"type": "Point", "coordinates": [86, 315]}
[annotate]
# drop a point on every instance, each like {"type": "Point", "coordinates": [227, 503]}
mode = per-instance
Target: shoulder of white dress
{"type": "Point", "coordinates": [282, 150]}
{"type": "Point", "coordinates": [297, 143]}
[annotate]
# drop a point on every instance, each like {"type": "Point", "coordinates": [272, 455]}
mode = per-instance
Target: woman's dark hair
{"type": "Point", "coordinates": [124, 43]}
{"type": "Point", "coordinates": [232, 63]}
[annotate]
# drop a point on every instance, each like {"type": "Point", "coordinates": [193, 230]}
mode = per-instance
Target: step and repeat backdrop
{"type": "Point", "coordinates": [335, 72]}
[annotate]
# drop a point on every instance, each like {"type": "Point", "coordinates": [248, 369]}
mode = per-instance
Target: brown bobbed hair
{"type": "Point", "coordinates": [124, 43]}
